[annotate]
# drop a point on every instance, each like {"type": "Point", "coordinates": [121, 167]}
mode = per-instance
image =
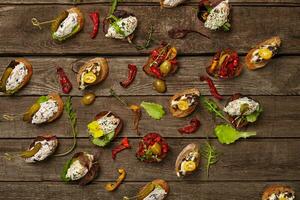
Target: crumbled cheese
{"type": "Point", "coordinates": [157, 194]}
{"type": "Point", "coordinates": [172, 3]}
{"type": "Point", "coordinates": [218, 16]}
{"type": "Point", "coordinates": [48, 148]}
{"type": "Point", "coordinates": [67, 26]}
{"type": "Point", "coordinates": [108, 124]}
{"type": "Point", "coordinates": [234, 107]}
{"type": "Point", "coordinates": [281, 196]}
{"type": "Point", "coordinates": [127, 25]}
{"type": "Point", "coordinates": [76, 171]}
{"type": "Point", "coordinates": [16, 77]}
{"type": "Point", "coordinates": [47, 110]}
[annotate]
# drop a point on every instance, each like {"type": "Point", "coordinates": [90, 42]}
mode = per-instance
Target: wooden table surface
{"type": "Point", "coordinates": [245, 167]}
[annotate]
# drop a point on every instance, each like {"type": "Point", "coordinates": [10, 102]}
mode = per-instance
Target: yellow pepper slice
{"type": "Point", "coordinates": [95, 129]}
{"type": "Point", "coordinates": [183, 105]}
{"type": "Point", "coordinates": [113, 186]}
{"type": "Point", "coordinates": [89, 77]}
{"type": "Point", "coordinates": [266, 54]}
{"type": "Point", "coordinates": [189, 166]}
{"type": "Point", "coordinates": [156, 149]}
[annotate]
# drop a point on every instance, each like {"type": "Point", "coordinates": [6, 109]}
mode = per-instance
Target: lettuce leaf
{"type": "Point", "coordinates": [253, 116]}
{"type": "Point", "coordinates": [65, 170]}
{"type": "Point", "coordinates": [154, 110]}
{"type": "Point", "coordinates": [42, 99]}
{"type": "Point", "coordinates": [105, 140]}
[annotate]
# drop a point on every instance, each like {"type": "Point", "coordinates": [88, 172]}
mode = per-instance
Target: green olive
{"type": "Point", "coordinates": [165, 67]}
{"type": "Point", "coordinates": [88, 98]}
{"type": "Point", "coordinates": [159, 86]}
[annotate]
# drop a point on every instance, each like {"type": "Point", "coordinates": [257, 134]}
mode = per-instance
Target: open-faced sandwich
{"type": "Point", "coordinates": [121, 25]}
{"type": "Point", "coordinates": [242, 110]}
{"type": "Point", "coordinates": [259, 56]}
{"type": "Point", "coordinates": [82, 167]}
{"type": "Point", "coordinates": [184, 103]}
{"type": "Point", "coordinates": [188, 160]}
{"type": "Point", "coordinates": [16, 75]}
{"type": "Point", "coordinates": [278, 192]}
{"type": "Point", "coordinates": [155, 190]}
{"type": "Point", "coordinates": [170, 3]}
{"type": "Point", "coordinates": [214, 16]}
{"type": "Point", "coordinates": [224, 65]}
{"type": "Point", "coordinates": [92, 72]}
{"type": "Point", "coordinates": [67, 24]}
{"type": "Point", "coordinates": [104, 128]}
{"type": "Point", "coordinates": [41, 148]}
{"type": "Point", "coordinates": [152, 148]}
{"type": "Point", "coordinates": [45, 109]}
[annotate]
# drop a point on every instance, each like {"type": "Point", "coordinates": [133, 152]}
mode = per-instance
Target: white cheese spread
{"type": "Point", "coordinates": [66, 27]}
{"type": "Point", "coordinates": [16, 77]}
{"type": "Point", "coordinates": [47, 110]}
{"type": "Point", "coordinates": [48, 148]}
{"type": "Point", "coordinates": [76, 171]}
{"type": "Point", "coordinates": [127, 26]}
{"type": "Point", "coordinates": [234, 107]}
{"type": "Point", "coordinates": [108, 124]}
{"type": "Point", "coordinates": [218, 16]}
{"type": "Point", "coordinates": [172, 3]}
{"type": "Point", "coordinates": [157, 194]}
{"type": "Point", "coordinates": [282, 196]}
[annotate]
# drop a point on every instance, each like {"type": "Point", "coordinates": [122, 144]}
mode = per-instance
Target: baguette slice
{"type": "Point", "coordinates": [276, 189]}
{"type": "Point", "coordinates": [143, 191]}
{"type": "Point", "coordinates": [60, 103]}
{"type": "Point", "coordinates": [179, 113]}
{"type": "Point", "coordinates": [252, 66]}
{"type": "Point", "coordinates": [104, 70]}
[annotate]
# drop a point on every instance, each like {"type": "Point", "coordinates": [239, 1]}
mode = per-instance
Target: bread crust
{"type": "Point", "coordinates": [189, 148]}
{"type": "Point", "coordinates": [160, 182]}
{"type": "Point", "coordinates": [253, 66]}
{"type": "Point", "coordinates": [119, 127]}
{"type": "Point", "coordinates": [60, 103]}
{"type": "Point", "coordinates": [276, 189]}
{"type": "Point", "coordinates": [104, 70]}
{"type": "Point", "coordinates": [178, 113]}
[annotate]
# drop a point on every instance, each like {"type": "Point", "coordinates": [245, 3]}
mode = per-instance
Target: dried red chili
{"type": "Point", "coordinates": [132, 70]}
{"type": "Point", "coordinates": [156, 72]}
{"type": "Point", "coordinates": [124, 145]}
{"type": "Point", "coordinates": [65, 83]}
{"type": "Point", "coordinates": [191, 128]}
{"type": "Point", "coordinates": [94, 16]}
{"type": "Point", "coordinates": [212, 87]}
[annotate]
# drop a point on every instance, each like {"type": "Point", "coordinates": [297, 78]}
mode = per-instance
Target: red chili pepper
{"type": "Point", "coordinates": [212, 87]}
{"type": "Point", "coordinates": [156, 72]}
{"type": "Point", "coordinates": [65, 83]}
{"type": "Point", "coordinates": [132, 70]}
{"type": "Point", "coordinates": [191, 128]}
{"type": "Point", "coordinates": [124, 145]}
{"type": "Point", "coordinates": [94, 16]}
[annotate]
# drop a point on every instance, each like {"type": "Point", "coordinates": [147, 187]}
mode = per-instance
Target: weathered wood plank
{"type": "Point", "coordinates": [30, 40]}
{"type": "Point", "coordinates": [278, 78]}
{"type": "Point", "coordinates": [252, 160]}
{"type": "Point", "coordinates": [178, 190]}
{"type": "Point", "coordinates": [280, 118]}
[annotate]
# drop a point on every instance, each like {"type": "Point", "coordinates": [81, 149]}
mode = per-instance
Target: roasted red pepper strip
{"type": "Point", "coordinates": [132, 70]}
{"type": "Point", "coordinates": [212, 87]}
{"type": "Point", "coordinates": [191, 128]}
{"type": "Point", "coordinates": [124, 145]}
{"type": "Point", "coordinates": [65, 83]}
{"type": "Point", "coordinates": [156, 72]}
{"type": "Point", "coordinates": [94, 16]}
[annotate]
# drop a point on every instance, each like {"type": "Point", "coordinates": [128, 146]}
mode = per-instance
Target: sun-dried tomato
{"type": "Point", "coordinates": [132, 70]}
{"type": "Point", "coordinates": [191, 128]}
{"type": "Point", "coordinates": [212, 87]}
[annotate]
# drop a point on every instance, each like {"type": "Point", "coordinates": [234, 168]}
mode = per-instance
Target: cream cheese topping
{"type": "Point", "coordinates": [16, 77]}
{"type": "Point", "coordinates": [48, 148]}
{"type": "Point", "coordinates": [172, 3]}
{"type": "Point", "coordinates": [108, 124]}
{"type": "Point", "coordinates": [67, 26]}
{"type": "Point", "coordinates": [157, 194]}
{"type": "Point", "coordinates": [76, 170]}
{"type": "Point", "coordinates": [218, 16]}
{"type": "Point", "coordinates": [127, 26]}
{"type": "Point", "coordinates": [282, 196]}
{"type": "Point", "coordinates": [47, 110]}
{"type": "Point", "coordinates": [234, 107]}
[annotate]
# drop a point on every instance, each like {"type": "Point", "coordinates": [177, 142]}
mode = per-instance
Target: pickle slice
{"type": "Point", "coordinates": [32, 152]}
{"type": "Point", "coordinates": [31, 111]}
{"type": "Point", "coordinates": [4, 78]}
{"type": "Point", "coordinates": [146, 191]}
{"type": "Point", "coordinates": [54, 26]}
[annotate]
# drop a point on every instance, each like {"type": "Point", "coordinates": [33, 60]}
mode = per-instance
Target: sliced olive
{"type": "Point", "coordinates": [32, 152]}
{"type": "Point", "coordinates": [4, 78]}
{"type": "Point", "coordinates": [31, 111]}
{"type": "Point", "coordinates": [88, 98]}
{"type": "Point", "coordinates": [54, 26]}
{"type": "Point", "coordinates": [159, 86]}
{"type": "Point", "coordinates": [165, 67]}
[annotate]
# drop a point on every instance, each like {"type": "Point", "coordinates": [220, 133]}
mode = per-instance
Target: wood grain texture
{"type": "Point", "coordinates": [30, 40]}
{"type": "Point", "coordinates": [179, 190]}
{"type": "Point", "coordinates": [280, 114]}
{"type": "Point", "coordinates": [278, 78]}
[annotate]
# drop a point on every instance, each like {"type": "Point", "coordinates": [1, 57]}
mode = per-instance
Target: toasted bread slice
{"type": "Point", "coordinates": [119, 127]}
{"type": "Point", "coordinates": [60, 103]}
{"type": "Point", "coordinates": [160, 182]}
{"type": "Point", "coordinates": [104, 70]}
{"type": "Point", "coordinates": [179, 113]}
{"type": "Point", "coordinates": [275, 189]}
{"type": "Point", "coordinates": [252, 66]}
{"type": "Point", "coordinates": [185, 152]}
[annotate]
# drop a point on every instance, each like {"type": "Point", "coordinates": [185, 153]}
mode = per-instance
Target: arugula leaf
{"type": "Point", "coordinates": [210, 153]}
{"type": "Point", "coordinates": [227, 134]}
{"type": "Point", "coordinates": [65, 170]}
{"type": "Point", "coordinates": [253, 116]}
{"type": "Point", "coordinates": [42, 99]}
{"type": "Point", "coordinates": [213, 108]}
{"type": "Point", "coordinates": [154, 110]}
{"type": "Point", "coordinates": [113, 6]}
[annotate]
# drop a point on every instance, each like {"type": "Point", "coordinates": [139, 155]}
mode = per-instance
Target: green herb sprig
{"type": "Point", "coordinates": [210, 153]}
{"type": "Point", "coordinates": [148, 40]}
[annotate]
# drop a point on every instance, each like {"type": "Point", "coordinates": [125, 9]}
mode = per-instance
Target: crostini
{"type": "Point", "coordinates": [278, 192]}
{"type": "Point", "coordinates": [16, 75]}
{"type": "Point", "coordinates": [170, 3]}
{"type": "Point", "coordinates": [188, 160]}
{"type": "Point", "coordinates": [82, 167]}
{"type": "Point", "coordinates": [184, 103]}
{"type": "Point", "coordinates": [46, 109]}
{"type": "Point", "coordinates": [104, 128]}
{"type": "Point", "coordinates": [242, 110]}
{"type": "Point", "coordinates": [67, 24]}
{"type": "Point", "coordinates": [261, 55]}
{"type": "Point", "coordinates": [152, 148]}
{"type": "Point", "coordinates": [157, 189]}
{"type": "Point", "coordinates": [92, 72]}
{"type": "Point", "coordinates": [41, 148]}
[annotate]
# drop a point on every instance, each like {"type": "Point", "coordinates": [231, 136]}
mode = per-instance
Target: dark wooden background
{"type": "Point", "coordinates": [245, 168]}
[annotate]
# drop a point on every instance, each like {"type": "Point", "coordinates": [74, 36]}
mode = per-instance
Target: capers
{"type": "Point", "coordinates": [88, 98]}
{"type": "Point", "coordinates": [165, 67]}
{"type": "Point", "coordinates": [159, 86]}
